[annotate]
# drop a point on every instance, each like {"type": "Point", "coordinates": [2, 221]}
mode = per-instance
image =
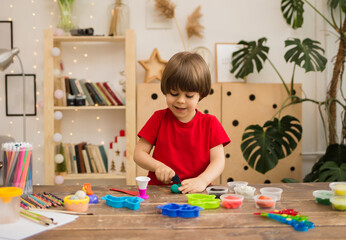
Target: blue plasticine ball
{"type": "Point", "coordinates": [174, 188]}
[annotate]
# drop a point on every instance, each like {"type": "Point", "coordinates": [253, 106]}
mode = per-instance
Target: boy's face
{"type": "Point", "coordinates": [182, 104]}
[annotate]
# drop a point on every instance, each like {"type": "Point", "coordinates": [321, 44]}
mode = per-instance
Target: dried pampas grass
{"type": "Point", "coordinates": [193, 27]}
{"type": "Point", "coordinates": [165, 7]}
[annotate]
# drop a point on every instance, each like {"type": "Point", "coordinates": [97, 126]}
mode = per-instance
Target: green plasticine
{"type": "Point", "coordinates": [174, 188]}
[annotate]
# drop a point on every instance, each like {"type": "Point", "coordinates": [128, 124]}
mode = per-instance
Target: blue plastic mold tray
{"type": "Point", "coordinates": [183, 210]}
{"type": "Point", "coordinates": [132, 203]}
{"type": "Point", "coordinates": [203, 201]}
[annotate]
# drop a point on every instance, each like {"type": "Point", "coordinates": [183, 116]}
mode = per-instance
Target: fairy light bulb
{"type": "Point", "coordinates": [99, 130]}
{"type": "Point", "coordinates": [71, 134]}
{"type": "Point", "coordinates": [11, 122]}
{"type": "Point", "coordinates": [38, 132]}
{"type": "Point", "coordinates": [97, 118]}
{"type": "Point", "coordinates": [85, 55]}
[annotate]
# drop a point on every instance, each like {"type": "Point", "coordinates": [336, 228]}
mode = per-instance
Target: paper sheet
{"type": "Point", "coordinates": [29, 228]}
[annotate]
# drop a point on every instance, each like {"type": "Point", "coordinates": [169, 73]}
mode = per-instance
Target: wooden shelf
{"type": "Point", "coordinates": [93, 176]}
{"type": "Point", "coordinates": [51, 126]}
{"type": "Point", "coordinates": [89, 108]}
{"type": "Point", "coordinates": [87, 39]}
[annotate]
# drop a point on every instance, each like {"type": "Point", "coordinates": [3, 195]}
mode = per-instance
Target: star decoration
{"type": "Point", "coordinates": [154, 66]}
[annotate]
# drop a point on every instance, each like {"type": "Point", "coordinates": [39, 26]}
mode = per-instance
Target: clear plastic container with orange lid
{"type": "Point", "coordinates": [9, 204]}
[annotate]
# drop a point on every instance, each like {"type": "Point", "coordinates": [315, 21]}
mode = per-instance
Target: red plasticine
{"type": "Point", "coordinates": [231, 204]}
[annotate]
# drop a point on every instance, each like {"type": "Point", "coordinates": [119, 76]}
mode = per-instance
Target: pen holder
{"type": "Point", "coordinates": [17, 159]}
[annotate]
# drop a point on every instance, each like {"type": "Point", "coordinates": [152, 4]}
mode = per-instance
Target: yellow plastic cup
{"type": "Point", "coordinates": [9, 204]}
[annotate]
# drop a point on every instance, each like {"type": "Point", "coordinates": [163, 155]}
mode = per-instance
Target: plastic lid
{"type": "Point", "coordinates": [7, 193]}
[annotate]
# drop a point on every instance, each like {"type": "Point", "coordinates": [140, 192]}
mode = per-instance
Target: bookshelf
{"type": "Point", "coordinates": [51, 104]}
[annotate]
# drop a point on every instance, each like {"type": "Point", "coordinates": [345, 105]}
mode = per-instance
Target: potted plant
{"type": "Point", "coordinates": [263, 146]}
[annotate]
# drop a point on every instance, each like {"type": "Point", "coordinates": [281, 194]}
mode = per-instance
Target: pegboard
{"type": "Point", "coordinates": [244, 104]}
{"type": "Point", "coordinates": [151, 99]}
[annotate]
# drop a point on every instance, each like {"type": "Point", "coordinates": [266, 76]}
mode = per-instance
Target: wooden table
{"type": "Point", "coordinates": [148, 223]}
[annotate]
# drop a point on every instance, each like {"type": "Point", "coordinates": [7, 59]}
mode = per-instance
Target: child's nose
{"type": "Point", "coordinates": [181, 99]}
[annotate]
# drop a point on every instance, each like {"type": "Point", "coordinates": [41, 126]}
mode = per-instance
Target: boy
{"type": "Point", "coordinates": [187, 142]}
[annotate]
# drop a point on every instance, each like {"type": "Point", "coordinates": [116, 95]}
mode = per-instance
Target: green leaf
{"type": "Point", "coordinates": [321, 172]}
{"type": "Point", "coordinates": [331, 172]}
{"type": "Point", "coordinates": [305, 54]}
{"type": "Point", "coordinates": [263, 147]}
{"type": "Point", "coordinates": [337, 3]}
{"type": "Point", "coordinates": [289, 180]}
{"type": "Point", "coordinates": [292, 11]}
{"type": "Point", "coordinates": [253, 54]}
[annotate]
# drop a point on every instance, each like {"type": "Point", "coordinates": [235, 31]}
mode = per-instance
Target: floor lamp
{"type": "Point", "coordinates": [6, 58]}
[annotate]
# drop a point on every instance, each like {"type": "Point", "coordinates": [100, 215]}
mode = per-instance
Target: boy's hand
{"type": "Point", "coordinates": [193, 185]}
{"type": "Point", "coordinates": [164, 174]}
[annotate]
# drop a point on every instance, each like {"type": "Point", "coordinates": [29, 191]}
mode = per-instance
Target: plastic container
{"type": "Point", "coordinates": [231, 201]}
{"type": "Point", "coordinates": [247, 191]}
{"type": "Point", "coordinates": [234, 184]}
{"type": "Point", "coordinates": [274, 191]}
{"type": "Point", "coordinates": [217, 190]}
{"type": "Point", "coordinates": [17, 158]}
{"type": "Point", "coordinates": [338, 202]}
{"type": "Point", "coordinates": [338, 188]}
{"type": "Point", "coordinates": [9, 204]}
{"type": "Point", "coordinates": [78, 205]}
{"type": "Point", "coordinates": [322, 196]}
{"type": "Point", "coordinates": [265, 201]}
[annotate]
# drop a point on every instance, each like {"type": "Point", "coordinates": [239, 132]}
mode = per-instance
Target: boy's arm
{"type": "Point", "coordinates": [143, 159]}
{"type": "Point", "coordinates": [214, 170]}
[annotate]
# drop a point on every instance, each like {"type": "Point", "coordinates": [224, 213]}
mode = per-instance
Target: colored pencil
{"type": "Point", "coordinates": [33, 219]}
{"type": "Point", "coordinates": [61, 211]}
{"type": "Point", "coordinates": [38, 216]}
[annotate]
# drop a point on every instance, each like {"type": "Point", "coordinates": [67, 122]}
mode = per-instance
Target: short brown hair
{"type": "Point", "coordinates": [188, 72]}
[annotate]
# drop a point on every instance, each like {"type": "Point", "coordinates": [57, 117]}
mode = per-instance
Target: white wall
{"type": "Point", "coordinates": [224, 21]}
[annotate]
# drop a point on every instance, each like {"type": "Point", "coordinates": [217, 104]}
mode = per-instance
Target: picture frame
{"type": "Point", "coordinates": [14, 94]}
{"type": "Point", "coordinates": [223, 58]}
{"type": "Point", "coordinates": [6, 36]}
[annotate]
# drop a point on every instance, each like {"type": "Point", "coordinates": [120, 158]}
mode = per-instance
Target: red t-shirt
{"type": "Point", "coordinates": [184, 147]}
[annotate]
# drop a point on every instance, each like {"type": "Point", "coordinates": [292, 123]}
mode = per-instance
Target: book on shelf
{"type": "Point", "coordinates": [73, 87]}
{"type": "Point", "coordinates": [92, 94]}
{"type": "Point", "coordinates": [73, 159]}
{"type": "Point", "coordinates": [112, 93]}
{"type": "Point", "coordinates": [86, 161]}
{"type": "Point", "coordinates": [98, 157]}
{"type": "Point", "coordinates": [98, 92]}
{"type": "Point", "coordinates": [80, 158]}
{"type": "Point", "coordinates": [103, 156]}
{"type": "Point", "coordinates": [106, 94]}
{"type": "Point", "coordinates": [80, 89]}
{"type": "Point", "coordinates": [86, 92]}
{"type": "Point", "coordinates": [95, 166]}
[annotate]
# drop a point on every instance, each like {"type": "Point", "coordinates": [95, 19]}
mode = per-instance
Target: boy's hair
{"type": "Point", "coordinates": [188, 72]}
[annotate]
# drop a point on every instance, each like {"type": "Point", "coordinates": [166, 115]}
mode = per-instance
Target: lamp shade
{"type": "Point", "coordinates": [6, 57]}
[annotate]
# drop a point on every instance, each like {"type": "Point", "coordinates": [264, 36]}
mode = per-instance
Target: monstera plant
{"type": "Point", "coordinates": [263, 146]}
